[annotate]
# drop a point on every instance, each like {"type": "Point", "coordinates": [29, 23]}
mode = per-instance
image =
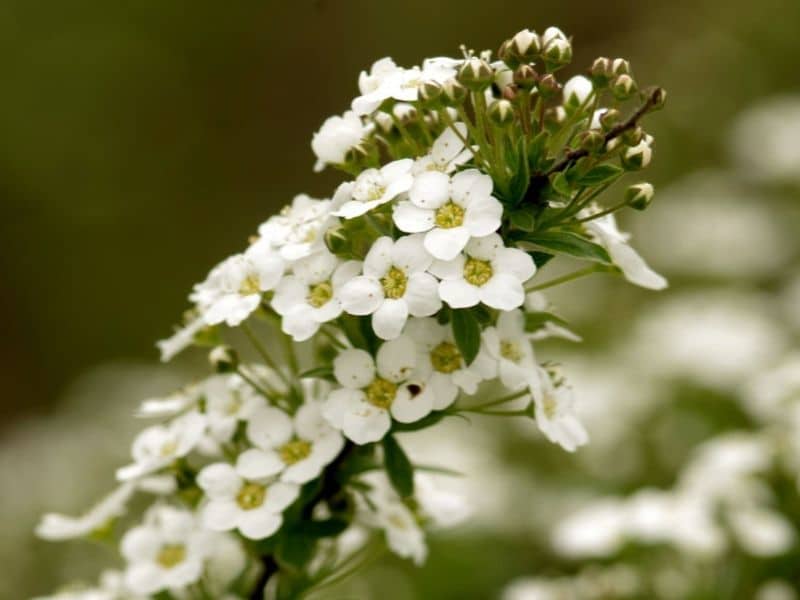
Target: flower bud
{"type": "Point", "coordinates": [384, 121]}
{"type": "Point", "coordinates": [620, 66]}
{"type": "Point", "coordinates": [476, 74]}
{"type": "Point", "coordinates": [405, 113]}
{"type": "Point", "coordinates": [355, 154]}
{"type": "Point", "coordinates": [577, 91]}
{"type": "Point", "coordinates": [501, 113]}
{"type": "Point", "coordinates": [639, 196]}
{"type": "Point", "coordinates": [510, 93]}
{"type": "Point", "coordinates": [525, 76]}
{"type": "Point", "coordinates": [659, 97]}
{"type": "Point", "coordinates": [524, 47]}
{"type": "Point", "coordinates": [548, 86]}
{"type": "Point", "coordinates": [554, 115]}
{"type": "Point", "coordinates": [336, 240]}
{"type": "Point", "coordinates": [600, 72]}
{"type": "Point", "coordinates": [623, 87]}
{"type": "Point", "coordinates": [591, 140]}
{"type": "Point", "coordinates": [610, 118]}
{"type": "Point", "coordinates": [556, 48]}
{"type": "Point", "coordinates": [639, 156]}
{"type": "Point", "coordinates": [633, 136]}
{"type": "Point", "coordinates": [430, 93]}
{"type": "Point", "coordinates": [454, 91]}
{"type": "Point", "coordinates": [552, 33]}
{"type": "Point", "coordinates": [223, 359]}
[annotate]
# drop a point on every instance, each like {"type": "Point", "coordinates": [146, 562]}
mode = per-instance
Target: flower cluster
{"type": "Point", "coordinates": [395, 303]}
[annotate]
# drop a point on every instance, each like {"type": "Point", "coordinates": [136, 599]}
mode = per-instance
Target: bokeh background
{"type": "Point", "coordinates": [141, 142]}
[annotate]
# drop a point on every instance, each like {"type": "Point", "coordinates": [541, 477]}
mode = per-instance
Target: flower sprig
{"type": "Point", "coordinates": [396, 303]}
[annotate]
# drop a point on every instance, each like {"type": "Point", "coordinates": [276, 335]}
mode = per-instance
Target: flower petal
{"type": "Point", "coordinates": [409, 407]}
{"type": "Point", "coordinates": [514, 262]}
{"type": "Point", "coordinates": [259, 523]}
{"type": "Point", "coordinates": [445, 244]}
{"type": "Point", "coordinates": [483, 216]}
{"type": "Point", "coordinates": [503, 292]}
{"type": "Point", "coordinates": [269, 427]}
{"type": "Point", "coordinates": [458, 293]}
{"type": "Point", "coordinates": [411, 218]}
{"type": "Point", "coordinates": [255, 463]}
{"type": "Point", "coordinates": [409, 254]}
{"type": "Point", "coordinates": [389, 319]}
{"type": "Point", "coordinates": [354, 368]}
{"type": "Point", "coordinates": [367, 424]}
{"type": "Point", "coordinates": [396, 359]}
{"type": "Point", "coordinates": [379, 258]}
{"type": "Point", "coordinates": [219, 480]}
{"type": "Point", "coordinates": [430, 190]}
{"type": "Point", "coordinates": [422, 295]}
{"type": "Point", "coordinates": [361, 295]}
{"type": "Point", "coordinates": [220, 515]}
{"type": "Point", "coordinates": [280, 495]}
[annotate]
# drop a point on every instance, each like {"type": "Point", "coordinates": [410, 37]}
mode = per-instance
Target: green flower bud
{"type": "Point", "coordinates": [223, 359]}
{"type": "Point", "coordinates": [600, 72]}
{"type": "Point", "coordinates": [501, 113]}
{"type": "Point", "coordinates": [525, 76]}
{"type": "Point", "coordinates": [554, 115]}
{"type": "Point", "coordinates": [633, 136]}
{"type": "Point", "coordinates": [639, 196]}
{"type": "Point", "coordinates": [405, 113]}
{"type": "Point", "coordinates": [476, 74]}
{"type": "Point", "coordinates": [639, 156]}
{"type": "Point", "coordinates": [524, 47]}
{"type": "Point", "coordinates": [557, 52]}
{"type": "Point", "coordinates": [620, 66]}
{"type": "Point", "coordinates": [623, 87]}
{"type": "Point", "coordinates": [659, 96]}
{"type": "Point", "coordinates": [454, 91]}
{"type": "Point", "coordinates": [430, 94]}
{"type": "Point", "coordinates": [591, 140]}
{"type": "Point", "coordinates": [336, 240]}
{"type": "Point", "coordinates": [548, 86]}
{"type": "Point", "coordinates": [384, 121]}
{"type": "Point", "coordinates": [610, 118]}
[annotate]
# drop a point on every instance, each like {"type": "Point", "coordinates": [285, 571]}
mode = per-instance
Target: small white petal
{"type": "Point", "coordinates": [422, 295]}
{"type": "Point", "coordinates": [409, 407]}
{"type": "Point", "coordinates": [430, 190]}
{"type": "Point", "coordinates": [361, 295]}
{"type": "Point", "coordinates": [445, 244]}
{"type": "Point", "coordinates": [269, 427]}
{"type": "Point", "coordinates": [255, 463]}
{"type": "Point", "coordinates": [259, 523]}
{"type": "Point", "coordinates": [396, 359]}
{"type": "Point", "coordinates": [220, 515]}
{"type": "Point", "coordinates": [459, 294]}
{"type": "Point", "coordinates": [354, 368]}
{"type": "Point", "coordinates": [515, 262]}
{"type": "Point", "coordinates": [409, 254]}
{"type": "Point", "coordinates": [411, 218]}
{"type": "Point", "coordinates": [219, 480]}
{"type": "Point", "coordinates": [379, 258]}
{"type": "Point", "coordinates": [389, 319]}
{"type": "Point", "coordinates": [503, 292]}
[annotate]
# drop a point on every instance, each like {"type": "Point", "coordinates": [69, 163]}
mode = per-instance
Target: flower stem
{"type": "Point", "coordinates": [568, 277]}
{"type": "Point", "coordinates": [264, 354]}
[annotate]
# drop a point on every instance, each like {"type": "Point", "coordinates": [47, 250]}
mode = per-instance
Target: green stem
{"type": "Point", "coordinates": [495, 402]}
{"type": "Point", "coordinates": [564, 278]}
{"type": "Point", "coordinates": [264, 354]}
{"type": "Point", "coordinates": [603, 213]}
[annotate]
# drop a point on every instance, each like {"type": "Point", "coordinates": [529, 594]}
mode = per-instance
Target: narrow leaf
{"type": "Point", "coordinates": [467, 333]}
{"type": "Point", "coordinates": [564, 242]}
{"type": "Point", "coordinates": [398, 467]}
{"type": "Point", "coordinates": [599, 175]}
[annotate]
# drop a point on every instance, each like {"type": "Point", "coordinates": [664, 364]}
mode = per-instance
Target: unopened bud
{"type": "Point", "coordinates": [405, 113]}
{"type": "Point", "coordinates": [525, 76]}
{"type": "Point", "coordinates": [659, 97]}
{"type": "Point", "coordinates": [601, 72]}
{"type": "Point", "coordinates": [620, 66]}
{"type": "Point", "coordinates": [336, 241]}
{"type": "Point", "coordinates": [524, 47]}
{"type": "Point", "coordinates": [430, 93]}
{"type": "Point", "coordinates": [623, 87]}
{"type": "Point", "coordinates": [454, 91]}
{"type": "Point", "coordinates": [554, 115]}
{"type": "Point", "coordinates": [548, 86]}
{"type": "Point", "coordinates": [223, 359]}
{"type": "Point", "coordinates": [639, 196]}
{"type": "Point", "coordinates": [557, 52]}
{"type": "Point", "coordinates": [476, 74]}
{"type": "Point", "coordinates": [639, 156]}
{"type": "Point", "coordinates": [633, 136]}
{"type": "Point", "coordinates": [609, 119]}
{"type": "Point", "coordinates": [592, 140]}
{"type": "Point", "coordinates": [384, 121]}
{"type": "Point", "coordinates": [510, 93]}
{"type": "Point", "coordinates": [501, 113]}
{"type": "Point", "coordinates": [577, 91]}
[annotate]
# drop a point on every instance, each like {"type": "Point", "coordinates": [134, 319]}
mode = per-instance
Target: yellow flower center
{"type": "Point", "coordinates": [169, 448]}
{"type": "Point", "coordinates": [294, 451]}
{"type": "Point", "coordinates": [381, 393]}
{"type": "Point", "coordinates": [251, 495]}
{"type": "Point", "coordinates": [446, 358]}
{"type": "Point", "coordinates": [171, 555]}
{"type": "Point", "coordinates": [510, 350]}
{"type": "Point", "coordinates": [477, 272]}
{"type": "Point", "coordinates": [320, 294]}
{"type": "Point", "coordinates": [250, 285]}
{"type": "Point", "coordinates": [449, 215]}
{"type": "Point", "coordinates": [550, 406]}
{"type": "Point", "coordinates": [394, 283]}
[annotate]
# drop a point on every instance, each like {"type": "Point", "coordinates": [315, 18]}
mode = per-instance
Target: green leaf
{"type": "Point", "coordinates": [599, 175]}
{"type": "Point", "coordinates": [398, 467]}
{"type": "Point", "coordinates": [564, 242]}
{"type": "Point", "coordinates": [535, 320]}
{"type": "Point", "coordinates": [295, 549]}
{"type": "Point", "coordinates": [424, 422]}
{"type": "Point", "coordinates": [561, 185]}
{"type": "Point", "coordinates": [467, 333]}
{"type": "Point", "coordinates": [537, 151]}
{"type": "Point", "coordinates": [522, 219]}
{"type": "Point", "coordinates": [321, 529]}
{"type": "Point", "coordinates": [359, 333]}
{"type": "Point", "coordinates": [325, 372]}
{"type": "Point", "coordinates": [540, 259]}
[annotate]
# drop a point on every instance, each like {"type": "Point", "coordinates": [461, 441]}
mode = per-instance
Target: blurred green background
{"type": "Point", "coordinates": [142, 142]}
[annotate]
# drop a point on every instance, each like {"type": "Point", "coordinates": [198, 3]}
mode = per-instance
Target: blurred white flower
{"type": "Point", "coordinates": [296, 232]}
{"type": "Point", "coordinates": [375, 187]}
{"type": "Point", "coordinates": [335, 138]}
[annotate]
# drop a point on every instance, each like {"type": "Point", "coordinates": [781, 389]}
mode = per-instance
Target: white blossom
{"type": "Point", "coordinates": [159, 445]}
{"type": "Point", "coordinates": [394, 285]}
{"type": "Point", "coordinates": [509, 345]}
{"type": "Point", "coordinates": [310, 295]}
{"type": "Point", "coordinates": [229, 401]}
{"type": "Point", "coordinates": [166, 552]}
{"type": "Point", "coordinates": [487, 272]}
{"type": "Point", "coordinates": [447, 152]}
{"type": "Point", "coordinates": [234, 501]}
{"type": "Point", "coordinates": [374, 187]}
{"type": "Point", "coordinates": [54, 526]}
{"type": "Point", "coordinates": [180, 340]}
{"type": "Point", "coordinates": [577, 90]}
{"type": "Point", "coordinates": [335, 138]}
{"type": "Point", "coordinates": [297, 231]}
{"type": "Point", "coordinates": [296, 449]}
{"type": "Point", "coordinates": [375, 390]}
{"type": "Point", "coordinates": [449, 210]}
{"type": "Point", "coordinates": [556, 417]}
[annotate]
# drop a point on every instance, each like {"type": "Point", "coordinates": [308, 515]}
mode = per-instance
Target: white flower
{"type": "Point", "coordinates": [441, 365]}
{"type": "Point", "coordinates": [298, 230]}
{"type": "Point", "coordinates": [229, 400]}
{"type": "Point", "coordinates": [180, 340]}
{"type": "Point", "coordinates": [253, 506]}
{"type": "Point", "coordinates": [297, 449]}
{"type": "Point", "coordinates": [159, 445]}
{"type": "Point", "coordinates": [233, 288]}
{"type": "Point", "coordinates": [336, 137]}
{"type": "Point", "coordinates": [54, 526]}
{"type": "Point", "coordinates": [604, 230]}
{"type": "Point", "coordinates": [387, 80]}
{"type": "Point", "coordinates": [488, 272]}
{"type": "Point", "coordinates": [310, 295]}
{"type": "Point", "coordinates": [394, 284]}
{"type": "Point", "coordinates": [555, 415]}
{"type": "Point", "coordinates": [447, 153]}
{"type": "Point", "coordinates": [761, 531]}
{"type": "Point", "coordinates": [166, 552]}
{"type": "Point", "coordinates": [577, 90]}
{"type": "Point", "coordinates": [537, 302]}
{"type": "Point", "coordinates": [510, 346]}
{"type": "Point", "coordinates": [375, 390]}
{"type": "Point", "coordinates": [451, 210]}
{"type": "Point", "coordinates": [111, 587]}
{"type": "Point", "coordinates": [374, 187]}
